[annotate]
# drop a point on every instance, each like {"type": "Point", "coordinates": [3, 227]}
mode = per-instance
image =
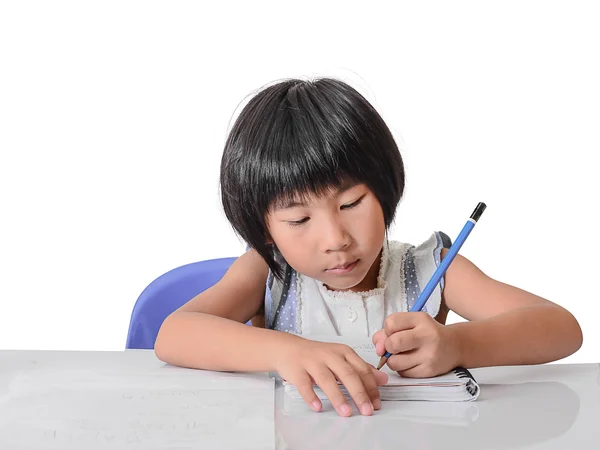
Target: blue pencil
{"type": "Point", "coordinates": [441, 270]}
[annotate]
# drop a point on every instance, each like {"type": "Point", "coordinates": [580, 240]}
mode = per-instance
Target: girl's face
{"type": "Point", "coordinates": [336, 238]}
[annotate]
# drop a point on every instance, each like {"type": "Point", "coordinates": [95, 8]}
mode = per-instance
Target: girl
{"type": "Point", "coordinates": [310, 179]}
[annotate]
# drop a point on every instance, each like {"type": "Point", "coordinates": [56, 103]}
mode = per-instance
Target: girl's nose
{"type": "Point", "coordinates": [335, 237]}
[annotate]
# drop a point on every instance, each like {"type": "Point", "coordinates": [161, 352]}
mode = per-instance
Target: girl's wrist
{"type": "Point", "coordinates": [284, 344]}
{"type": "Point", "coordinates": [457, 343]}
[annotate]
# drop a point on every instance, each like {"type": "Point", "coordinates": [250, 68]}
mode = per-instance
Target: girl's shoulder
{"type": "Point", "coordinates": [412, 266]}
{"type": "Point", "coordinates": [422, 253]}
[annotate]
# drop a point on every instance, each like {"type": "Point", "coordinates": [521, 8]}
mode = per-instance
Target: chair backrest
{"type": "Point", "coordinates": [167, 293]}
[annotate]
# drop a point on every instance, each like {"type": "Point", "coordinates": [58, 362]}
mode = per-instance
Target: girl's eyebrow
{"type": "Point", "coordinates": [286, 203]}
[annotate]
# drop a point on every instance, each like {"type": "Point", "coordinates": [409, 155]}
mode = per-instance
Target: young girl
{"type": "Point", "coordinates": [310, 179]}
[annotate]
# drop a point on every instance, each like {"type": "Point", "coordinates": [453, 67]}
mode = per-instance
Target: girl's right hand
{"type": "Point", "coordinates": [310, 362]}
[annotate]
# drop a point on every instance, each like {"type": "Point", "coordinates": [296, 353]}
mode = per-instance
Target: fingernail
{"type": "Point", "coordinates": [366, 409]}
{"type": "Point", "coordinates": [316, 405]}
{"type": "Point", "coordinates": [345, 409]}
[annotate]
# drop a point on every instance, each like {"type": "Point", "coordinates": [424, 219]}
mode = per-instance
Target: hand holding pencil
{"type": "Point", "coordinates": [420, 346]}
{"type": "Point", "coordinates": [420, 328]}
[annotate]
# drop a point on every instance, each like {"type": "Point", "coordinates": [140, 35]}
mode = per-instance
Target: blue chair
{"type": "Point", "coordinates": [167, 293]}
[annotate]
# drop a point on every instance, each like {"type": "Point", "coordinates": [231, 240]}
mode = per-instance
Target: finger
{"type": "Point", "coordinates": [403, 341]}
{"type": "Point", "coordinates": [381, 378]}
{"type": "Point", "coordinates": [404, 361]}
{"type": "Point", "coordinates": [418, 371]}
{"type": "Point", "coordinates": [328, 383]}
{"type": "Point", "coordinates": [351, 377]}
{"type": "Point", "coordinates": [305, 388]}
{"type": "Point", "coordinates": [402, 321]}
{"type": "Point", "coordinates": [379, 342]}
{"type": "Point", "coordinates": [369, 382]}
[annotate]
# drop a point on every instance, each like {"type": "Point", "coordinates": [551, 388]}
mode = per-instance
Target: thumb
{"type": "Point", "coordinates": [379, 342]}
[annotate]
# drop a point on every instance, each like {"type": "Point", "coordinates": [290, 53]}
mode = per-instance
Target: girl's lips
{"type": "Point", "coordinates": [343, 270]}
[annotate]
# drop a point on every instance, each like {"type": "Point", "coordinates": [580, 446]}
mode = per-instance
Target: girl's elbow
{"type": "Point", "coordinates": [575, 333]}
{"type": "Point", "coordinates": [161, 347]}
{"type": "Point", "coordinates": [578, 336]}
{"type": "Point", "coordinates": [160, 350]}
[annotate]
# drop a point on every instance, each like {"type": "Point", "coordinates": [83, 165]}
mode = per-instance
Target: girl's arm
{"type": "Point", "coordinates": [507, 325]}
{"type": "Point", "coordinates": [209, 332]}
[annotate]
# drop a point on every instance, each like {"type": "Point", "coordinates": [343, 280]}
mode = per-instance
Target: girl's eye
{"type": "Point", "coordinates": [296, 223]}
{"type": "Point", "coordinates": [352, 205]}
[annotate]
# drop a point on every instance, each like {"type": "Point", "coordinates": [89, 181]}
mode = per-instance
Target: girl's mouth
{"type": "Point", "coordinates": [343, 268]}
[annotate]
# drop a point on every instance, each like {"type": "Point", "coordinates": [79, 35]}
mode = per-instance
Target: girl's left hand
{"type": "Point", "coordinates": [420, 346]}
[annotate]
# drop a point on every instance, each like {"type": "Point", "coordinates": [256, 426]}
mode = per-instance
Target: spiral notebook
{"type": "Point", "coordinates": [458, 385]}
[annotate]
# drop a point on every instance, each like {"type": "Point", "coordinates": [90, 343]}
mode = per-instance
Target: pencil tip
{"type": "Point", "coordinates": [381, 362]}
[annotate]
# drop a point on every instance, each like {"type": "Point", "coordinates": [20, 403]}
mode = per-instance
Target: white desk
{"type": "Point", "coordinates": [128, 400]}
{"type": "Point", "coordinates": [543, 407]}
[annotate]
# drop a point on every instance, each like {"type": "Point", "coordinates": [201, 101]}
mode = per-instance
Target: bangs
{"type": "Point", "coordinates": [304, 194]}
{"type": "Point", "coordinates": [313, 145]}
{"type": "Point", "coordinates": [303, 171]}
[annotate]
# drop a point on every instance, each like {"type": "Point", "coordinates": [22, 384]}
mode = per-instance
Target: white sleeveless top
{"type": "Point", "coordinates": [303, 305]}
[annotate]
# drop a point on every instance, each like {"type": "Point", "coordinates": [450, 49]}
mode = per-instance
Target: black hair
{"type": "Point", "coordinates": [299, 137]}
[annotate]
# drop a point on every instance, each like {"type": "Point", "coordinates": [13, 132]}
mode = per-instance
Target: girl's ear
{"type": "Point", "coordinates": [269, 240]}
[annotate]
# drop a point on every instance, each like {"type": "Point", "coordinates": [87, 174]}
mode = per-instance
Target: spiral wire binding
{"type": "Point", "coordinates": [461, 372]}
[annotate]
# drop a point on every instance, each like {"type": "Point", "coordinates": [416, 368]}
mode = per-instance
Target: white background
{"type": "Point", "coordinates": [113, 116]}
